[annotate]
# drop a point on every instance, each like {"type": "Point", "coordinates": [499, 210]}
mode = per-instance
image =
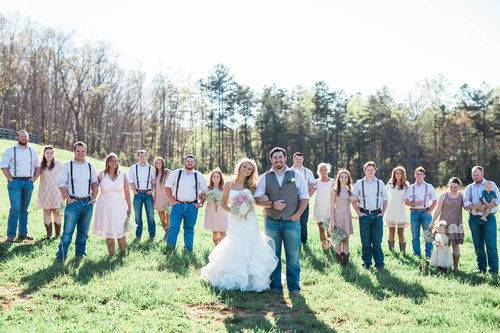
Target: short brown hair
{"type": "Point", "coordinates": [298, 154]}
{"type": "Point", "coordinates": [189, 156]}
{"type": "Point", "coordinates": [421, 169]}
{"type": "Point", "coordinates": [277, 150]}
{"type": "Point", "coordinates": [79, 144]}
{"type": "Point", "coordinates": [142, 151]}
{"type": "Point", "coordinates": [369, 163]}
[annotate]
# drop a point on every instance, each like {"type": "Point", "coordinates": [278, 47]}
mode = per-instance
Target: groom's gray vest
{"type": "Point", "coordinates": [287, 192]}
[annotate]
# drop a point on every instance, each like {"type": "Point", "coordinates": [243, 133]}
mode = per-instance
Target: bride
{"type": "Point", "coordinates": [245, 258]}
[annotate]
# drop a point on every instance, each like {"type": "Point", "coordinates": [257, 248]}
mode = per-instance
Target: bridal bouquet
{"type": "Point", "coordinates": [338, 235]}
{"type": "Point", "coordinates": [214, 196]}
{"type": "Point", "coordinates": [428, 235]}
{"type": "Point", "coordinates": [242, 204]}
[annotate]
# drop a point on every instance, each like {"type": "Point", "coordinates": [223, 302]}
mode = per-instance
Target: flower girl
{"type": "Point", "coordinates": [441, 257]}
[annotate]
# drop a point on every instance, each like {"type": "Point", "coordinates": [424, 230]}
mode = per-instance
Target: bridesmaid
{"type": "Point", "coordinates": [49, 197]}
{"type": "Point", "coordinates": [113, 205]}
{"type": "Point", "coordinates": [161, 203]}
{"type": "Point", "coordinates": [322, 204]}
{"type": "Point", "coordinates": [395, 214]}
{"type": "Point", "coordinates": [341, 213]}
{"type": "Point", "coordinates": [215, 218]}
{"type": "Point", "coordinates": [449, 209]}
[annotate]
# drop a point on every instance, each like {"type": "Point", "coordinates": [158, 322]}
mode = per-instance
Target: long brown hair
{"type": "Point", "coordinates": [44, 164]}
{"type": "Point", "coordinates": [338, 186]}
{"type": "Point", "coordinates": [107, 167]}
{"type": "Point", "coordinates": [250, 181]}
{"type": "Point", "coordinates": [404, 180]}
{"type": "Point", "coordinates": [163, 171]}
{"type": "Point", "coordinates": [210, 181]}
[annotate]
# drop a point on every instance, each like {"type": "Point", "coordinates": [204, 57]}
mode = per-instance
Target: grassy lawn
{"type": "Point", "coordinates": [152, 290]}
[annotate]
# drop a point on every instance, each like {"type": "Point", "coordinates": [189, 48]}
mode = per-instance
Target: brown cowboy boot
{"type": "Point", "coordinates": [456, 258]}
{"type": "Point", "coordinates": [391, 245]}
{"type": "Point", "coordinates": [57, 227]}
{"type": "Point", "coordinates": [402, 248]}
{"type": "Point", "coordinates": [345, 259]}
{"type": "Point", "coordinates": [48, 229]}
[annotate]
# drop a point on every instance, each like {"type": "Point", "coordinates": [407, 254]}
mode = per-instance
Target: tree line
{"type": "Point", "coordinates": [65, 92]}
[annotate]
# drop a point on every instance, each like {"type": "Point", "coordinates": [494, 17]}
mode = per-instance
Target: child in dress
{"type": "Point", "coordinates": [322, 204]}
{"type": "Point", "coordinates": [441, 257]}
{"type": "Point", "coordinates": [487, 196]}
{"type": "Point", "coordinates": [215, 218]}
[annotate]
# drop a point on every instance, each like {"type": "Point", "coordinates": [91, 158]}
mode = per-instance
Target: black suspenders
{"type": "Point", "coordinates": [148, 181]}
{"type": "Point", "coordinates": [72, 180]}
{"type": "Point", "coordinates": [364, 197]}
{"type": "Point", "coordinates": [15, 161]}
{"type": "Point", "coordinates": [178, 182]}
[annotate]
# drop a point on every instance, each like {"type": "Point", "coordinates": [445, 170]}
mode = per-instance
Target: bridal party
{"type": "Point", "coordinates": [78, 201]}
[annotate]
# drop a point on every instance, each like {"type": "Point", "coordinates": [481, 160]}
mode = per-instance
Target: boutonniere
{"type": "Point", "coordinates": [292, 180]}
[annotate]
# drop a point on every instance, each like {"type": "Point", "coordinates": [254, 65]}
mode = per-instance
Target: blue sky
{"type": "Point", "coordinates": [356, 45]}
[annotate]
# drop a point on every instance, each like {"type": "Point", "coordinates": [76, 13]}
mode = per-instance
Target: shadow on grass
{"type": "Point", "coordinates": [387, 284]}
{"type": "Point", "coordinates": [11, 250]}
{"type": "Point", "coordinates": [268, 312]}
{"type": "Point", "coordinates": [317, 263]}
{"type": "Point", "coordinates": [179, 263]}
{"type": "Point", "coordinates": [95, 269]}
{"type": "Point", "coordinates": [43, 277]}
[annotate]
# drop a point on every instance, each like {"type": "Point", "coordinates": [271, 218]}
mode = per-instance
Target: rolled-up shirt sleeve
{"type": "Point", "coordinates": [93, 176]}
{"type": "Point", "coordinates": [6, 157]}
{"type": "Point", "coordinates": [467, 195]}
{"type": "Point", "coordinates": [171, 179]}
{"type": "Point", "coordinates": [63, 177]}
{"type": "Point", "coordinates": [302, 186]}
{"type": "Point", "coordinates": [261, 186]}
{"type": "Point", "coordinates": [384, 195]}
{"type": "Point", "coordinates": [131, 175]}
{"type": "Point", "coordinates": [356, 191]}
{"type": "Point", "coordinates": [202, 183]}
{"type": "Point", "coordinates": [433, 194]}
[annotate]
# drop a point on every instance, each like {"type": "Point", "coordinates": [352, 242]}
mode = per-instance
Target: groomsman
{"type": "Point", "coordinates": [284, 195]}
{"type": "Point", "coordinates": [308, 175]}
{"type": "Point", "coordinates": [370, 205]}
{"type": "Point", "coordinates": [484, 233]}
{"type": "Point", "coordinates": [140, 177]}
{"type": "Point", "coordinates": [78, 185]}
{"type": "Point", "coordinates": [183, 187]}
{"type": "Point", "coordinates": [422, 199]}
{"type": "Point", "coordinates": [20, 165]}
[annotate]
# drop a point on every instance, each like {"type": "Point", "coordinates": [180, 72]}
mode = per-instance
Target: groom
{"type": "Point", "coordinates": [284, 194]}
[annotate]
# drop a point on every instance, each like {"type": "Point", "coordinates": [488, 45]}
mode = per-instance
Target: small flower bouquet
{"type": "Point", "coordinates": [242, 204]}
{"type": "Point", "coordinates": [126, 224]}
{"type": "Point", "coordinates": [428, 235]}
{"type": "Point", "coordinates": [214, 196]}
{"type": "Point", "coordinates": [338, 235]}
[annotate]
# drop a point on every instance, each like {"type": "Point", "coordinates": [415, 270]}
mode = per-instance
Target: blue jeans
{"type": "Point", "coordinates": [76, 215]}
{"type": "Point", "coordinates": [179, 213]}
{"type": "Point", "coordinates": [417, 219]}
{"type": "Point", "coordinates": [288, 233]}
{"type": "Point", "coordinates": [303, 225]}
{"type": "Point", "coordinates": [145, 199]}
{"type": "Point", "coordinates": [485, 233]}
{"type": "Point", "coordinates": [371, 230]}
{"type": "Point", "coordinates": [20, 197]}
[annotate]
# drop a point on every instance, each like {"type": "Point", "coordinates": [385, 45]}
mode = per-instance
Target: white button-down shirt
{"type": "Point", "coordinates": [300, 183]}
{"type": "Point", "coordinates": [80, 178]}
{"type": "Point", "coordinates": [306, 173]}
{"type": "Point", "coordinates": [143, 179]}
{"type": "Point", "coordinates": [417, 192]}
{"type": "Point", "coordinates": [370, 198]}
{"type": "Point", "coordinates": [472, 195]}
{"type": "Point", "coordinates": [187, 185]}
{"type": "Point", "coordinates": [25, 162]}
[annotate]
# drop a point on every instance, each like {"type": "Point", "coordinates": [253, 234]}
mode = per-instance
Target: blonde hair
{"type": "Point", "coordinates": [250, 181]}
{"type": "Point", "coordinates": [323, 164]}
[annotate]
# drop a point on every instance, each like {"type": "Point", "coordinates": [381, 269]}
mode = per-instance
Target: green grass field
{"type": "Point", "coordinates": [150, 290]}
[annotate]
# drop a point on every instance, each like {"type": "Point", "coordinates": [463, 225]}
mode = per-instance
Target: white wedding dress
{"type": "Point", "coordinates": [245, 258]}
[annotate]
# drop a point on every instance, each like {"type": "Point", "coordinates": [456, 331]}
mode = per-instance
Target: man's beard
{"type": "Point", "coordinates": [22, 143]}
